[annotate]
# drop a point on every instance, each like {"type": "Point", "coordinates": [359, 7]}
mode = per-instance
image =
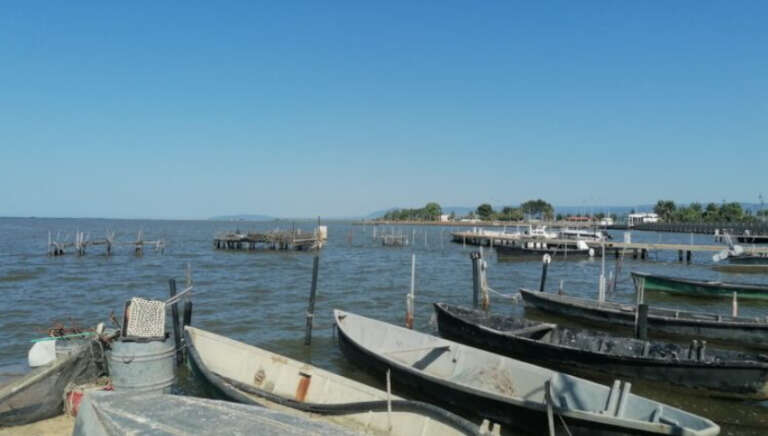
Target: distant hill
{"type": "Point", "coordinates": [244, 217]}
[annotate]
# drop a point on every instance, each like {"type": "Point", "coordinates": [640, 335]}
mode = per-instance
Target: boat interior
{"type": "Point", "coordinates": [295, 380]}
{"type": "Point", "coordinates": [598, 341]}
{"type": "Point", "coordinates": [506, 379]}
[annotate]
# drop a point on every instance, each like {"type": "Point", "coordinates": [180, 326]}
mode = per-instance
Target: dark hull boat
{"type": "Point", "coordinates": [540, 248]}
{"type": "Point", "coordinates": [506, 390]}
{"type": "Point", "coordinates": [753, 239]}
{"type": "Point", "coordinates": [748, 259]}
{"type": "Point", "coordinates": [248, 374]}
{"type": "Point", "coordinates": [750, 332]}
{"type": "Point", "coordinates": [700, 288]}
{"type": "Point", "coordinates": [742, 268]}
{"type": "Point", "coordinates": [717, 372]}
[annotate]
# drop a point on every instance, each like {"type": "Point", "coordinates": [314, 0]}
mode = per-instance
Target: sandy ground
{"type": "Point", "coordinates": [61, 425]}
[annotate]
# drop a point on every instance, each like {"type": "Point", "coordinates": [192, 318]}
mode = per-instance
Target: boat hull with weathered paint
{"type": "Point", "coordinates": [662, 322]}
{"type": "Point", "coordinates": [700, 288]}
{"type": "Point", "coordinates": [248, 374]}
{"type": "Point", "coordinates": [499, 388]}
{"type": "Point", "coordinates": [722, 373]}
{"type": "Point", "coordinates": [40, 393]}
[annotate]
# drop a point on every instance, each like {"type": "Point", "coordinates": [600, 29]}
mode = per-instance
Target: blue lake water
{"type": "Point", "coordinates": [261, 297]}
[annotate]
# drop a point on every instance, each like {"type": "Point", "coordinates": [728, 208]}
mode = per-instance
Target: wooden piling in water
{"type": "Point", "coordinates": [175, 322]}
{"type": "Point", "coordinates": [311, 308]}
{"type": "Point", "coordinates": [641, 322]}
{"type": "Point", "coordinates": [410, 298]}
{"type": "Point", "coordinates": [476, 284]}
{"type": "Point", "coordinates": [545, 260]}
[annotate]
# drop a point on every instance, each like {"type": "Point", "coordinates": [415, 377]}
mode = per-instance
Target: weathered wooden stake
{"type": "Point", "coordinates": [475, 257]}
{"type": "Point", "coordinates": [545, 260]}
{"type": "Point", "coordinates": [311, 308]}
{"type": "Point", "coordinates": [550, 411]}
{"type": "Point", "coordinates": [175, 322]}
{"type": "Point", "coordinates": [641, 324]}
{"type": "Point", "coordinates": [389, 400]}
{"type": "Point", "coordinates": [410, 298]}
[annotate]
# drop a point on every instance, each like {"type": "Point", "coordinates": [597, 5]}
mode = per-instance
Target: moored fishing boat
{"type": "Point", "coordinates": [39, 394]}
{"type": "Point", "coordinates": [749, 259]}
{"type": "Point", "coordinates": [699, 288]}
{"type": "Point", "coordinates": [248, 374]}
{"type": "Point", "coordinates": [503, 389]}
{"type": "Point", "coordinates": [741, 269]}
{"type": "Point", "coordinates": [662, 322]}
{"type": "Point", "coordinates": [539, 248]}
{"type": "Point", "coordinates": [714, 371]}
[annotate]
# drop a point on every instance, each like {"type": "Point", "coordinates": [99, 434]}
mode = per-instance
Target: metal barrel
{"type": "Point", "coordinates": [143, 366]}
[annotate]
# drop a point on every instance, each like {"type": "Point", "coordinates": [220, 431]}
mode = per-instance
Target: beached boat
{"type": "Point", "coordinates": [506, 390]}
{"type": "Point", "coordinates": [714, 371]}
{"type": "Point", "coordinates": [248, 374]}
{"type": "Point", "coordinates": [539, 248]}
{"type": "Point", "coordinates": [40, 393]}
{"type": "Point", "coordinates": [113, 413]}
{"type": "Point", "coordinates": [699, 288]}
{"type": "Point", "coordinates": [662, 322]}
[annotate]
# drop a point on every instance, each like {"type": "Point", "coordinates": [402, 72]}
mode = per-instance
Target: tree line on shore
{"type": "Point", "coordinates": [668, 211]}
{"type": "Point", "coordinates": [432, 211]}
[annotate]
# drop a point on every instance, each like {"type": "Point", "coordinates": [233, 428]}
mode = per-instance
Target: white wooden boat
{"type": "Point", "coordinates": [248, 374]}
{"type": "Point", "coordinates": [506, 390]}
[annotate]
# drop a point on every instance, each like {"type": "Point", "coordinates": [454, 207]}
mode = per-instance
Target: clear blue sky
{"type": "Point", "coordinates": [194, 109]}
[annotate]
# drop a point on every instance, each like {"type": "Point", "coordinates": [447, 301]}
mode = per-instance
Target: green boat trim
{"type": "Point", "coordinates": [700, 288]}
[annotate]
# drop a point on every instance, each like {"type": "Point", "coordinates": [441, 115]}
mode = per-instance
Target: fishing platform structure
{"type": "Point", "coordinates": [294, 239]}
{"type": "Point", "coordinates": [83, 240]}
{"type": "Point", "coordinates": [494, 238]}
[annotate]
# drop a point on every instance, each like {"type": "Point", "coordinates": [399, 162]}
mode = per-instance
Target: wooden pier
{"type": "Point", "coordinates": [272, 240]}
{"type": "Point", "coordinates": [83, 241]}
{"type": "Point", "coordinates": [637, 249]}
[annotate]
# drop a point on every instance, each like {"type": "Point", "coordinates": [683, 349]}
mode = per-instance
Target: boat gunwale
{"type": "Point", "coordinates": [682, 364]}
{"type": "Point", "coordinates": [704, 283]}
{"type": "Point", "coordinates": [653, 312]}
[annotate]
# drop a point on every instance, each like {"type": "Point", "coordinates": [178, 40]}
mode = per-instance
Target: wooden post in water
{"type": "Point", "coordinates": [641, 324]}
{"type": "Point", "coordinates": [735, 305]}
{"type": "Point", "coordinates": [311, 308]}
{"type": "Point", "coordinates": [410, 298]}
{"type": "Point", "coordinates": [550, 411]}
{"type": "Point", "coordinates": [475, 257]}
{"type": "Point", "coordinates": [175, 322]}
{"type": "Point", "coordinates": [639, 290]}
{"type": "Point", "coordinates": [545, 260]}
{"type": "Point", "coordinates": [485, 299]}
